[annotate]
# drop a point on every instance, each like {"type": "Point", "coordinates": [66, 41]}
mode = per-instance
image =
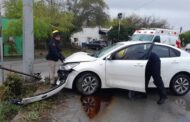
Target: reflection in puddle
{"type": "Point", "coordinates": [119, 108]}
{"type": "Point", "coordinates": [93, 104]}
{"type": "Point", "coordinates": [109, 107]}
{"type": "Point", "coordinates": [181, 103]}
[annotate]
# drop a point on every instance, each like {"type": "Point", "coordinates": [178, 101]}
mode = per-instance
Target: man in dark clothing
{"type": "Point", "coordinates": [54, 54]}
{"type": "Point", "coordinates": [153, 69]}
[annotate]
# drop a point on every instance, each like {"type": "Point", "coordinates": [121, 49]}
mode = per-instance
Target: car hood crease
{"type": "Point", "coordinates": [80, 57]}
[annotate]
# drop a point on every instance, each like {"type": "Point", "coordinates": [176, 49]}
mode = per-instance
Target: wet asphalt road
{"type": "Point", "coordinates": [113, 105]}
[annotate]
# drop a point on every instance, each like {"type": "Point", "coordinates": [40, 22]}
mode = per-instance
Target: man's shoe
{"type": "Point", "coordinates": [161, 100]}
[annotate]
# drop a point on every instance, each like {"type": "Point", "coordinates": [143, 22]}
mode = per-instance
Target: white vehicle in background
{"type": "Point", "coordinates": [187, 47]}
{"type": "Point", "coordinates": [165, 36]}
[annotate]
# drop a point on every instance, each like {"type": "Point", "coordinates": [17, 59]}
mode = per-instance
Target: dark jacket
{"type": "Point", "coordinates": [54, 51]}
{"type": "Point", "coordinates": [153, 58]}
{"type": "Point", "coordinates": [154, 63]}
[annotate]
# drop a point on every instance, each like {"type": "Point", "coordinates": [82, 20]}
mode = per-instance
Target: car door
{"type": "Point", "coordinates": [126, 68]}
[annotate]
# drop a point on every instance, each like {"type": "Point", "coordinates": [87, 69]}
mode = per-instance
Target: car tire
{"type": "Point", "coordinates": [87, 84]}
{"type": "Point", "coordinates": [180, 84]}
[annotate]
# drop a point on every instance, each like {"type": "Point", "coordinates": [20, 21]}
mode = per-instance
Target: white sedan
{"type": "Point", "coordinates": [122, 65]}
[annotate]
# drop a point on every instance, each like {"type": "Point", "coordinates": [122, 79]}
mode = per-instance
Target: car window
{"type": "Point", "coordinates": [161, 51]}
{"type": "Point", "coordinates": [135, 52]}
{"type": "Point", "coordinates": [142, 37]}
{"type": "Point", "coordinates": [106, 50]}
{"type": "Point", "coordinates": [174, 53]}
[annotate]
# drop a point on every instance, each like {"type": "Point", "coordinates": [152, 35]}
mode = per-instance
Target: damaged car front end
{"type": "Point", "coordinates": [64, 70]}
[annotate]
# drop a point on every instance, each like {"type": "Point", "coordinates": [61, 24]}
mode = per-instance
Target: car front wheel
{"type": "Point", "coordinates": [180, 84]}
{"type": "Point", "coordinates": [87, 84]}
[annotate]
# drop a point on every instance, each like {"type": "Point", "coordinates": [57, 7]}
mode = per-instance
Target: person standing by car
{"type": "Point", "coordinates": [153, 68]}
{"type": "Point", "coordinates": [54, 54]}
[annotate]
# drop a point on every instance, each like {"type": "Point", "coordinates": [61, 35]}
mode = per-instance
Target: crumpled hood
{"type": "Point", "coordinates": [79, 57]}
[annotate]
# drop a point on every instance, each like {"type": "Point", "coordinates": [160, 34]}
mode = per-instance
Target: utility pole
{"type": "Point", "coordinates": [28, 37]}
{"type": "Point", "coordinates": [119, 27]}
{"type": "Point", "coordinates": [181, 29]}
{"type": "Point", "coordinates": [1, 46]}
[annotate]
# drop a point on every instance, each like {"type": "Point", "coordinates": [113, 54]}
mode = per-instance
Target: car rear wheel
{"type": "Point", "coordinates": [87, 84]}
{"type": "Point", "coordinates": [180, 84]}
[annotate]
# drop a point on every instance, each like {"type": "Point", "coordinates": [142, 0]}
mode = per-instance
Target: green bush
{"type": "Point", "coordinates": [2, 92]}
{"type": "Point", "coordinates": [13, 86]}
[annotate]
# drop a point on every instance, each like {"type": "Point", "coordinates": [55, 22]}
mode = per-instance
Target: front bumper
{"type": "Point", "coordinates": [68, 77]}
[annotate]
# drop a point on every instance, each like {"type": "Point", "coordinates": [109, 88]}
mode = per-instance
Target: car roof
{"type": "Point", "coordinates": [142, 42]}
{"type": "Point", "coordinates": [128, 43]}
{"type": "Point", "coordinates": [133, 42]}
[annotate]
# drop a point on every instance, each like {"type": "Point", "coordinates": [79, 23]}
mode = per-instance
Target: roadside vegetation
{"type": "Point", "coordinates": [185, 38]}
{"type": "Point", "coordinates": [71, 16]}
{"type": "Point", "coordinates": [16, 87]}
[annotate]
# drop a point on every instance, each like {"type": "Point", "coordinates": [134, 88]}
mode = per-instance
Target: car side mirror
{"type": "Point", "coordinates": [157, 39]}
{"type": "Point", "coordinates": [110, 57]}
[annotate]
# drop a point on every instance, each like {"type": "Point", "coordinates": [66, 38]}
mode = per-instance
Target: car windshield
{"type": "Point", "coordinates": [142, 37]}
{"type": "Point", "coordinates": [106, 50]}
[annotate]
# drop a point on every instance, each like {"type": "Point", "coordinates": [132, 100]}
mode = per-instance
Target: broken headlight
{"type": "Point", "coordinates": [68, 66]}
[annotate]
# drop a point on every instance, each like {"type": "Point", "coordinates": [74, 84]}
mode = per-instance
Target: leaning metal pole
{"type": "Point", "coordinates": [28, 37]}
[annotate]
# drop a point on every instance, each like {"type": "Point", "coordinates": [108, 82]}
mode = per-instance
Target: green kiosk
{"type": "Point", "coordinates": [12, 46]}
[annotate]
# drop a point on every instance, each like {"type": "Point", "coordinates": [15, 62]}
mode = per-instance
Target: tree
{"type": "Point", "coordinates": [45, 19]}
{"type": "Point", "coordinates": [131, 23]}
{"type": "Point", "coordinates": [185, 37]}
{"type": "Point", "coordinates": [13, 8]}
{"type": "Point", "coordinates": [88, 12]}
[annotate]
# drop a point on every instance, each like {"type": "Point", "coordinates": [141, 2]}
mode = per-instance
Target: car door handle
{"type": "Point", "coordinates": [175, 62]}
{"type": "Point", "coordinates": [138, 65]}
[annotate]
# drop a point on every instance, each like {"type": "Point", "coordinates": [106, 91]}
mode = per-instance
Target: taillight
{"type": "Point", "coordinates": [178, 43]}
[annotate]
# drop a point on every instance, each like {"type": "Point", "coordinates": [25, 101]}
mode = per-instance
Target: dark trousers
{"type": "Point", "coordinates": [154, 71]}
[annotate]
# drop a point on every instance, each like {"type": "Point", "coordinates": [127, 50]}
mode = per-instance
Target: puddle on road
{"type": "Point", "coordinates": [117, 107]}
{"type": "Point", "coordinates": [92, 105]}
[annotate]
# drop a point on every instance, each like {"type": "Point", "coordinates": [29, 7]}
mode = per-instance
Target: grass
{"type": "Point", "coordinates": [68, 52]}
{"type": "Point", "coordinates": [8, 111]}
{"type": "Point", "coordinates": [2, 91]}
{"type": "Point", "coordinates": [42, 54]}
{"type": "Point", "coordinates": [31, 112]}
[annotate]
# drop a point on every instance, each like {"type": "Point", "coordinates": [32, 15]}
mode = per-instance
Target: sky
{"type": "Point", "coordinates": [176, 12]}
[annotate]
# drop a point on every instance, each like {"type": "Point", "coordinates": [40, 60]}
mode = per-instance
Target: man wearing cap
{"type": "Point", "coordinates": [54, 54]}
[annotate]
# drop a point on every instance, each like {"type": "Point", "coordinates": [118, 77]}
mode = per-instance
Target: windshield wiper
{"type": "Point", "coordinates": [92, 54]}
